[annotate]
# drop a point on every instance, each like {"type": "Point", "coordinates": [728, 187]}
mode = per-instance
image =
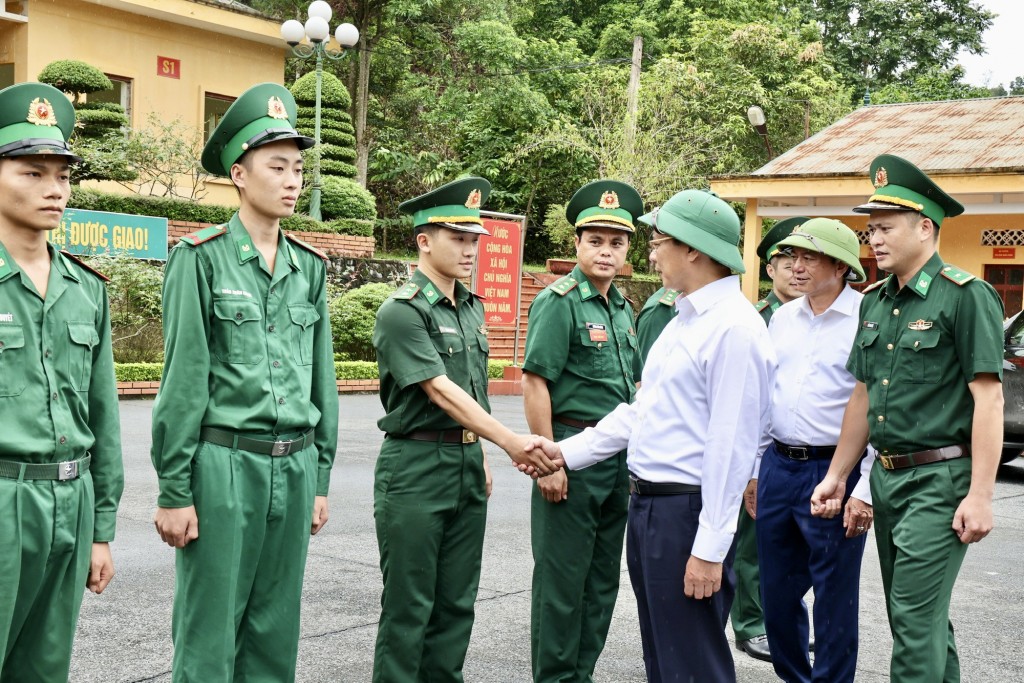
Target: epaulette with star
{"type": "Point", "coordinates": [83, 265]}
{"type": "Point", "coordinates": [761, 305]}
{"type": "Point", "coordinates": [960, 277]}
{"type": "Point", "coordinates": [299, 243]}
{"type": "Point", "coordinates": [669, 297]}
{"type": "Point", "coordinates": [564, 285]}
{"type": "Point", "coordinates": [205, 235]}
{"type": "Point", "coordinates": [406, 291]}
{"type": "Point", "coordinates": [876, 285]}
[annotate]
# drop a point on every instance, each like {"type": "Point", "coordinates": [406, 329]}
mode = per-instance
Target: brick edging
{"type": "Point", "coordinates": [351, 246]}
{"type": "Point", "coordinates": [496, 387]}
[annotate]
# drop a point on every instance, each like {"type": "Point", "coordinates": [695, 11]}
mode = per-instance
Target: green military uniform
{"type": "Point", "coordinates": [60, 457]}
{"type": "Point", "coordinates": [583, 345]}
{"type": "Point", "coordinates": [244, 427]}
{"type": "Point", "coordinates": [656, 313]}
{"type": "Point", "coordinates": [916, 350]}
{"type": "Point", "coordinates": [767, 306]}
{"type": "Point", "coordinates": [429, 495]}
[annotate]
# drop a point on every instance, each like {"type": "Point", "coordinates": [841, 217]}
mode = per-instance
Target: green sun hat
{"type": "Point", "coordinates": [706, 223]}
{"type": "Point", "coordinates": [35, 118]}
{"type": "Point", "coordinates": [650, 219]}
{"type": "Point", "coordinates": [605, 204]}
{"type": "Point", "coordinates": [263, 113]}
{"type": "Point", "coordinates": [769, 245]}
{"type": "Point", "coordinates": [901, 186]}
{"type": "Point", "coordinates": [455, 205]}
{"type": "Point", "coordinates": [832, 238]}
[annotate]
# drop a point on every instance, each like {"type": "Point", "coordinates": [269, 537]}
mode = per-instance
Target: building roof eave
{"type": "Point", "coordinates": [224, 18]}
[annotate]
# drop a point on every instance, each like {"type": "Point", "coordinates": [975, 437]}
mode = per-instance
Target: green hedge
{"type": "Point", "coordinates": [103, 118]}
{"type": "Point", "coordinates": [138, 372]}
{"type": "Point", "coordinates": [352, 369]}
{"type": "Point", "coordinates": [341, 169]}
{"type": "Point", "coordinates": [341, 198]}
{"type": "Point", "coordinates": [332, 92]}
{"type": "Point", "coordinates": [73, 76]}
{"type": "Point", "coordinates": [335, 137]}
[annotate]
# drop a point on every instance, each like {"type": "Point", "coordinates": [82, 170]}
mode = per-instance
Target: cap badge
{"type": "Point", "coordinates": [473, 201]}
{"type": "Point", "coordinates": [275, 108]}
{"type": "Point", "coordinates": [609, 200]}
{"type": "Point", "coordinates": [881, 177]}
{"type": "Point", "coordinates": [40, 112]}
{"type": "Point", "coordinates": [920, 325]}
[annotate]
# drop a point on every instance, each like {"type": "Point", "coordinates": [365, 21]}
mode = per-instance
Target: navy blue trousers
{"type": "Point", "coordinates": [683, 639]}
{"type": "Point", "coordinates": [799, 552]}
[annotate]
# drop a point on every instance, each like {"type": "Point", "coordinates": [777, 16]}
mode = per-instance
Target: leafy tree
{"type": "Point", "coordinates": [352, 320]}
{"type": "Point", "coordinates": [932, 85]}
{"type": "Point", "coordinates": [1017, 86]}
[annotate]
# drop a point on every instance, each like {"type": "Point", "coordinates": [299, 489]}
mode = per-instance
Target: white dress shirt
{"type": "Point", "coordinates": [813, 385]}
{"type": "Point", "coordinates": [701, 415]}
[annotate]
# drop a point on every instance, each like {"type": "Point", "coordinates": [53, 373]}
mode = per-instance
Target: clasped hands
{"type": "Point", "coordinates": [536, 456]}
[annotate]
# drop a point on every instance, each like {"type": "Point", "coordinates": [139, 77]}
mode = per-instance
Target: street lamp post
{"type": "Point", "coordinates": [317, 29]}
{"type": "Point", "coordinates": [757, 119]}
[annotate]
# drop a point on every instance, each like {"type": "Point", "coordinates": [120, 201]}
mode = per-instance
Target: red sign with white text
{"type": "Point", "coordinates": [1004, 252]}
{"type": "Point", "coordinates": [499, 268]}
{"type": "Point", "coordinates": [168, 67]}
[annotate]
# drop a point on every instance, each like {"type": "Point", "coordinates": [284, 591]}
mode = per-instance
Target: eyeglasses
{"type": "Point", "coordinates": [653, 245]}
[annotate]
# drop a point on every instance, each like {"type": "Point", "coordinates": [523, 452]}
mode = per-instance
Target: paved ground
{"type": "Point", "coordinates": [124, 635]}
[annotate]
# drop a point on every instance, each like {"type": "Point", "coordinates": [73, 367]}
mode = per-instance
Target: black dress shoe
{"type": "Point", "coordinates": [756, 647]}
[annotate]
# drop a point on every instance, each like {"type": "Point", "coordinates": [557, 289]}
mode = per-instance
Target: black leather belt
{"type": "Point", "coordinates": [443, 436]}
{"type": "Point", "coordinates": [899, 461]}
{"type": "Point", "coordinates": [805, 452]}
{"type": "Point", "coordinates": [276, 448]}
{"type": "Point", "coordinates": [660, 488]}
{"type": "Point", "coordinates": [54, 471]}
{"type": "Point", "coordinates": [573, 422]}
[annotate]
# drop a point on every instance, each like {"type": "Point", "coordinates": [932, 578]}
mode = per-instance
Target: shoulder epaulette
{"type": "Point", "coordinates": [479, 296]}
{"type": "Point", "coordinates": [299, 243]}
{"type": "Point", "coordinates": [83, 265]}
{"type": "Point", "coordinates": [960, 277]}
{"type": "Point", "coordinates": [761, 305]}
{"type": "Point", "coordinates": [876, 285]}
{"type": "Point", "coordinates": [205, 235]}
{"type": "Point", "coordinates": [669, 297]}
{"type": "Point", "coordinates": [406, 291]}
{"type": "Point", "coordinates": [564, 285]}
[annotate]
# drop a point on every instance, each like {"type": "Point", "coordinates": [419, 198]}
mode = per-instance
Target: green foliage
{"type": "Point", "coordinates": [74, 77]}
{"type": "Point", "coordinates": [356, 369]}
{"type": "Point", "coordinates": [353, 315]}
{"type": "Point", "coordinates": [1017, 86]}
{"type": "Point", "coordinates": [341, 198]}
{"type": "Point", "coordinates": [932, 85]}
{"type": "Point", "coordinates": [138, 372]}
{"type": "Point", "coordinates": [95, 120]}
{"type": "Point", "coordinates": [135, 307]}
{"type": "Point", "coordinates": [332, 92]}
{"type": "Point", "coordinates": [165, 157]}
{"type": "Point", "coordinates": [496, 368]}
{"type": "Point", "coordinates": [561, 234]}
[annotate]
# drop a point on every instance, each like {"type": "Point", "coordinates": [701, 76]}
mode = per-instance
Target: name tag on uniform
{"type": "Point", "coordinates": [447, 330]}
{"type": "Point", "coordinates": [598, 332]}
{"type": "Point", "coordinates": [870, 325]}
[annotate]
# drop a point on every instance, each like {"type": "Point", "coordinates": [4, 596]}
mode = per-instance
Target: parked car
{"type": "Point", "coordinates": [1013, 388]}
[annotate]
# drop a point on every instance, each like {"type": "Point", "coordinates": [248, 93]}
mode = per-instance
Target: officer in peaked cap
{"type": "Point", "coordinates": [779, 266]}
{"type": "Point", "coordinates": [928, 364]}
{"type": "Point", "coordinates": [431, 481]}
{"type": "Point", "coordinates": [246, 422]}
{"type": "Point", "coordinates": [577, 367]}
{"type": "Point", "coordinates": [60, 457]}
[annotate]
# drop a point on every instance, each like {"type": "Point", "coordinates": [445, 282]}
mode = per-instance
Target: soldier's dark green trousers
{"type": "Point", "coordinates": [920, 557]}
{"type": "Point", "coordinates": [238, 587]}
{"type": "Point", "coordinates": [746, 614]}
{"type": "Point", "coordinates": [47, 531]}
{"type": "Point", "coordinates": [577, 562]}
{"type": "Point", "coordinates": [430, 510]}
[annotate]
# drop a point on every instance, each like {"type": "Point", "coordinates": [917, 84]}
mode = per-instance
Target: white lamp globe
{"type": "Point", "coordinates": [347, 35]}
{"type": "Point", "coordinates": [321, 9]}
{"type": "Point", "coordinates": [293, 32]}
{"type": "Point", "coordinates": [317, 29]}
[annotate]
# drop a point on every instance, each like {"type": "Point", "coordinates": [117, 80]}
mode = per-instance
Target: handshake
{"type": "Point", "coordinates": [535, 456]}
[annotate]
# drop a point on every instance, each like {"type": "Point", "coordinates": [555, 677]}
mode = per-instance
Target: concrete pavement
{"type": "Point", "coordinates": [124, 635]}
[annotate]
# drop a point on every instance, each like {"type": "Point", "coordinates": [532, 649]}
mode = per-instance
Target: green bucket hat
{"type": "Point", "coordinates": [832, 238]}
{"type": "Point", "coordinates": [605, 204]}
{"type": "Point", "coordinates": [455, 205]}
{"type": "Point", "coordinates": [35, 118]}
{"type": "Point", "coordinates": [263, 113]}
{"type": "Point", "coordinates": [706, 223]}
{"type": "Point", "coordinates": [769, 245]}
{"type": "Point", "coordinates": [901, 186]}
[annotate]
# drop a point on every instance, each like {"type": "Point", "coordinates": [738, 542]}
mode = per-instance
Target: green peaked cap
{"type": "Point", "coordinates": [832, 238]}
{"type": "Point", "coordinates": [901, 186]}
{"type": "Point", "coordinates": [606, 204]}
{"type": "Point", "coordinates": [35, 118]}
{"type": "Point", "coordinates": [454, 205]}
{"type": "Point", "coordinates": [263, 113]}
{"type": "Point", "coordinates": [768, 246]}
{"type": "Point", "coordinates": [706, 223]}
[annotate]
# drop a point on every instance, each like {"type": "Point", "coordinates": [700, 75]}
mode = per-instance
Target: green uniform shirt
{"type": "Point", "coordinates": [767, 306]}
{"type": "Point", "coordinates": [420, 335]}
{"type": "Point", "coordinates": [583, 346]}
{"type": "Point", "coordinates": [243, 351]}
{"type": "Point", "coordinates": [650, 321]}
{"type": "Point", "coordinates": [916, 350]}
{"type": "Point", "coordinates": [58, 396]}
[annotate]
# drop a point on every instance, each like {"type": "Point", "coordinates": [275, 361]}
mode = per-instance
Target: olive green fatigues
{"type": "Point", "coordinates": [916, 350]}
{"type": "Point", "coordinates": [429, 497]}
{"type": "Point", "coordinates": [583, 345]}
{"type": "Point", "coordinates": [58, 402]}
{"type": "Point", "coordinates": [657, 311]}
{"type": "Point", "coordinates": [246, 352]}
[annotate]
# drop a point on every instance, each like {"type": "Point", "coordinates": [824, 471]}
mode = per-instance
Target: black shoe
{"type": "Point", "coordinates": [756, 647]}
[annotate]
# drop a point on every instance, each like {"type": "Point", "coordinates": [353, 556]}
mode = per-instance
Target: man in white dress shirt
{"type": "Point", "coordinates": [812, 337]}
{"type": "Point", "coordinates": [691, 438]}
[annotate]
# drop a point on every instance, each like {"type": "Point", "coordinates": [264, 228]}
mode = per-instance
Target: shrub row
{"type": "Point", "coordinates": [353, 369]}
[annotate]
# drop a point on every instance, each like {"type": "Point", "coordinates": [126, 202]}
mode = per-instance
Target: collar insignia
{"type": "Point", "coordinates": [40, 113]}
{"type": "Point", "coordinates": [275, 108]}
{"type": "Point", "coordinates": [920, 325]}
{"type": "Point", "coordinates": [473, 201]}
{"type": "Point", "coordinates": [609, 200]}
{"type": "Point", "coordinates": [881, 177]}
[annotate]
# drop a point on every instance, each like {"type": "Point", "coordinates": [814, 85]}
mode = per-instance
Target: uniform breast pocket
{"type": "Point", "coordinates": [303, 316]}
{"type": "Point", "coordinates": [238, 331]}
{"type": "Point", "coordinates": [13, 379]}
{"type": "Point", "coordinates": [84, 338]}
{"type": "Point", "coordinates": [595, 353]}
{"type": "Point", "coordinates": [447, 345]}
{"type": "Point", "coordinates": [919, 361]}
{"type": "Point", "coordinates": [863, 347]}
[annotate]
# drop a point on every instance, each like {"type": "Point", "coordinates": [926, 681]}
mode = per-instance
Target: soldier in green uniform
{"type": "Point", "coordinates": [746, 613]}
{"type": "Point", "coordinates": [657, 311]}
{"type": "Point", "coordinates": [577, 368]}
{"type": "Point", "coordinates": [246, 421]}
{"type": "Point", "coordinates": [430, 484]}
{"type": "Point", "coordinates": [928, 363]}
{"type": "Point", "coordinates": [60, 456]}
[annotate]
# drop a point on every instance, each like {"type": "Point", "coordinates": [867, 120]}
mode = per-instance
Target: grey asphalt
{"type": "Point", "coordinates": [124, 634]}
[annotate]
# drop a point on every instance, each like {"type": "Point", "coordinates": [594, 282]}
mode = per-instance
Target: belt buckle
{"type": "Point", "coordinates": [886, 461]}
{"type": "Point", "coordinates": [280, 448]}
{"type": "Point", "coordinates": [468, 436]}
{"type": "Point", "coordinates": [803, 451]}
{"type": "Point", "coordinates": [67, 470]}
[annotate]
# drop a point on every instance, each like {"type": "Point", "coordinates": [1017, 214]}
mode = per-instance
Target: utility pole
{"type": "Point", "coordinates": [633, 93]}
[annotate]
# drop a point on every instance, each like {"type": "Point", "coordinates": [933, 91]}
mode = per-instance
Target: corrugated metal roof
{"type": "Point", "coordinates": [952, 135]}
